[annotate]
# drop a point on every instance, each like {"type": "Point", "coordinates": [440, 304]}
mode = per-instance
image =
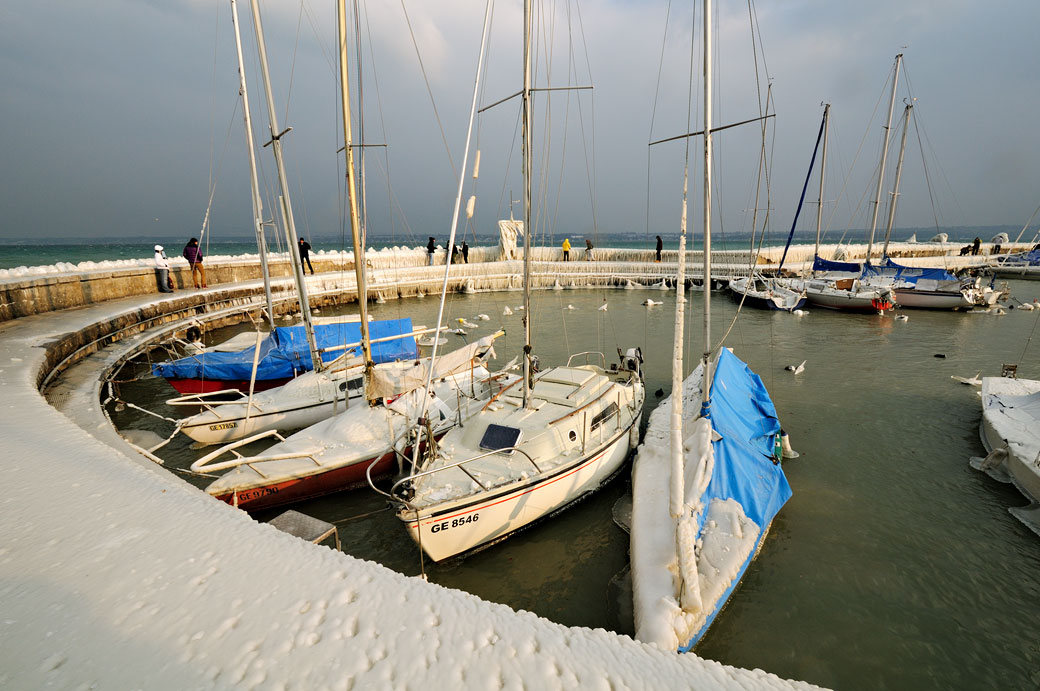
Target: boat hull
{"type": "Point", "coordinates": [931, 299]}
{"type": "Point", "coordinates": [214, 429]}
{"type": "Point", "coordinates": [287, 490]}
{"type": "Point", "coordinates": [190, 386]}
{"type": "Point", "coordinates": [454, 528]}
{"type": "Point", "coordinates": [847, 301]}
{"type": "Point", "coordinates": [777, 300]}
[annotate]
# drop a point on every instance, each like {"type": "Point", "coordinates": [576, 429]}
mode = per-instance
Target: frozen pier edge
{"type": "Point", "coordinates": [115, 573]}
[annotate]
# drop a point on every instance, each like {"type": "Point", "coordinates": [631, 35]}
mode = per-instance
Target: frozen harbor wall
{"type": "Point", "coordinates": [117, 574]}
{"type": "Point", "coordinates": [34, 290]}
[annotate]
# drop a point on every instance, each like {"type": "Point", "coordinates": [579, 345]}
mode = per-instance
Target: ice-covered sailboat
{"type": "Point", "coordinates": [707, 480]}
{"type": "Point", "coordinates": [1010, 432]}
{"type": "Point", "coordinates": [542, 444]}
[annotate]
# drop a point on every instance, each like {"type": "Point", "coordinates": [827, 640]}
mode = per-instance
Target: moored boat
{"type": "Point", "coordinates": [515, 463]}
{"type": "Point", "coordinates": [1010, 432]}
{"type": "Point", "coordinates": [766, 293]}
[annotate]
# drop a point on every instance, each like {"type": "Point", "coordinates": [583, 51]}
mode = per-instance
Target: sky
{"type": "Point", "coordinates": [122, 118]}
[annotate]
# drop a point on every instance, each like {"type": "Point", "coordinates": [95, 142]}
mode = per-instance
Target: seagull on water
{"type": "Point", "coordinates": [603, 307]}
{"type": "Point", "coordinates": [797, 369]}
{"type": "Point", "coordinates": [506, 312]}
{"type": "Point", "coordinates": [649, 302]}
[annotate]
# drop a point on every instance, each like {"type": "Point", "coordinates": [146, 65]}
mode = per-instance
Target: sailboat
{"type": "Point", "coordinates": [842, 289]}
{"type": "Point", "coordinates": [1010, 432]}
{"type": "Point", "coordinates": [371, 438]}
{"type": "Point", "coordinates": [286, 352]}
{"type": "Point", "coordinates": [707, 479]}
{"type": "Point", "coordinates": [538, 446]}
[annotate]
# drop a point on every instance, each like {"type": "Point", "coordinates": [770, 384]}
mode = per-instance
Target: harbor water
{"type": "Point", "coordinates": [894, 565]}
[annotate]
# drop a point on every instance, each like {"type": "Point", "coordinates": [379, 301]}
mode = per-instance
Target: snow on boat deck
{"type": "Point", "coordinates": [115, 573]}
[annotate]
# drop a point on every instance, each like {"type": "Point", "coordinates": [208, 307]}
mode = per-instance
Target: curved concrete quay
{"type": "Point", "coordinates": [115, 573]}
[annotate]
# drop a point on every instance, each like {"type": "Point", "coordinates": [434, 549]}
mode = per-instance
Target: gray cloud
{"type": "Point", "coordinates": [119, 113]}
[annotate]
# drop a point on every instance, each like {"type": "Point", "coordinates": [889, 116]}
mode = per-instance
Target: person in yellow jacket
{"type": "Point", "coordinates": [566, 249]}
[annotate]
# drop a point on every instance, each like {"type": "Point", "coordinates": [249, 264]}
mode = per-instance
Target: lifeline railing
{"type": "Point", "coordinates": [204, 463]}
{"type": "Point", "coordinates": [458, 464]}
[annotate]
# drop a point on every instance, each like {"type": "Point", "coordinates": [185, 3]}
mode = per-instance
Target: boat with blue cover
{"type": "Point", "coordinates": [284, 353]}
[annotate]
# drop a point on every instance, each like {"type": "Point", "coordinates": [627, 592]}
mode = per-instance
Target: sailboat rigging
{"type": "Point", "coordinates": [719, 462]}
{"type": "Point", "coordinates": [529, 452]}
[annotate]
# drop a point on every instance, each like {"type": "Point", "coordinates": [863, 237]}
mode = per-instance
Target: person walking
{"type": "Point", "coordinates": [588, 250]}
{"type": "Point", "coordinates": [566, 249]}
{"type": "Point", "coordinates": [660, 246]}
{"type": "Point", "coordinates": [193, 253]}
{"type": "Point", "coordinates": [465, 252]}
{"type": "Point", "coordinates": [431, 247]}
{"type": "Point", "coordinates": [305, 255]}
{"type": "Point", "coordinates": [162, 270]}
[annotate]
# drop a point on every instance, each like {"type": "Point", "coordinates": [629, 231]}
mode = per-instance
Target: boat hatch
{"type": "Point", "coordinates": [309, 528]}
{"type": "Point", "coordinates": [498, 437]}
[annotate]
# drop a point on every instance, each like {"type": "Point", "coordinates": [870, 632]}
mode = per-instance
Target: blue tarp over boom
{"type": "Point", "coordinates": [910, 274]}
{"type": "Point", "coordinates": [820, 264]}
{"type": "Point", "coordinates": [284, 352]}
{"type": "Point", "coordinates": [743, 414]}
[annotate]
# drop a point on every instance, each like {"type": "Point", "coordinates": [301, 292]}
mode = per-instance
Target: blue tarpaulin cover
{"type": "Point", "coordinates": [910, 274]}
{"type": "Point", "coordinates": [829, 265]}
{"type": "Point", "coordinates": [284, 352]}
{"type": "Point", "coordinates": [743, 414]}
{"type": "Point", "coordinates": [1030, 258]}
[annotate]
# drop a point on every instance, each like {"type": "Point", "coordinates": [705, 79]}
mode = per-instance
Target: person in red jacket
{"type": "Point", "coordinates": [193, 253]}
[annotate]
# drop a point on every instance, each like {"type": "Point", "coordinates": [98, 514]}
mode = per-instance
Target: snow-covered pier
{"type": "Point", "coordinates": [400, 272]}
{"type": "Point", "coordinates": [115, 573]}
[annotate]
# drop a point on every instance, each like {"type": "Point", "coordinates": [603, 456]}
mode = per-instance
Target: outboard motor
{"type": "Point", "coordinates": [632, 361]}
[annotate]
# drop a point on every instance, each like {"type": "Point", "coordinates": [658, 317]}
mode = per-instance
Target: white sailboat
{"type": "Point", "coordinates": [707, 481]}
{"type": "Point", "coordinates": [540, 445]}
{"type": "Point", "coordinates": [846, 291]}
{"type": "Point", "coordinates": [1010, 432]}
{"type": "Point", "coordinates": [362, 441]}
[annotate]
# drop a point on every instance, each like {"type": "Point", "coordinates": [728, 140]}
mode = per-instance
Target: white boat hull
{"type": "Point", "coordinates": [931, 299]}
{"type": "Point", "coordinates": [453, 528]}
{"type": "Point", "coordinates": [1009, 433]}
{"type": "Point", "coordinates": [226, 425]}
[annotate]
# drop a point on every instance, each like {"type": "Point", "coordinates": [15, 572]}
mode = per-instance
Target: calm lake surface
{"type": "Point", "coordinates": [895, 565]}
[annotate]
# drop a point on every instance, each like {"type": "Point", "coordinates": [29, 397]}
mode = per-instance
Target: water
{"type": "Point", "coordinates": [895, 565]}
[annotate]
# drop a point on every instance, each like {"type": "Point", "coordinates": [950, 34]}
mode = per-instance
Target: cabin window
{"type": "Point", "coordinates": [604, 415]}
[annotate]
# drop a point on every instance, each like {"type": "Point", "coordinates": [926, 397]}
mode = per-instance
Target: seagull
{"type": "Point", "coordinates": [603, 307]}
{"type": "Point", "coordinates": [460, 332]}
{"type": "Point", "coordinates": [571, 307]}
{"type": "Point", "coordinates": [483, 317]}
{"type": "Point", "coordinates": [800, 313]}
{"type": "Point", "coordinates": [649, 302]}
{"type": "Point", "coordinates": [506, 312]}
{"type": "Point", "coordinates": [902, 317]}
{"type": "Point", "coordinates": [973, 381]}
{"type": "Point", "coordinates": [520, 307]}
{"type": "Point", "coordinates": [797, 369]}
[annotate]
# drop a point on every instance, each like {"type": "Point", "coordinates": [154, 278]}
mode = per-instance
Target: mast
{"type": "Point", "coordinates": [258, 205]}
{"type": "Point", "coordinates": [283, 184]}
{"type": "Point", "coordinates": [899, 174]}
{"type": "Point", "coordinates": [884, 156]}
{"type": "Point", "coordinates": [823, 173]}
{"type": "Point", "coordinates": [355, 230]}
{"type": "Point", "coordinates": [526, 149]}
{"type": "Point", "coordinates": [707, 371]}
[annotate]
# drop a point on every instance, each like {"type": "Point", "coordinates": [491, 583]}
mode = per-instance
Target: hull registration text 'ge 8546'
{"type": "Point", "coordinates": [454, 523]}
